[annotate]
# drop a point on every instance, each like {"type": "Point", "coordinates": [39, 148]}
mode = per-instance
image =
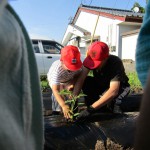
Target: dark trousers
{"type": "Point", "coordinates": [94, 91]}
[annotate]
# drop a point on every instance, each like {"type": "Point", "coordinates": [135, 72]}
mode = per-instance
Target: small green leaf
{"type": "Point", "coordinates": [65, 92]}
{"type": "Point", "coordinates": [71, 117]}
{"type": "Point", "coordinates": [81, 94]}
{"type": "Point", "coordinates": [81, 103]}
{"type": "Point", "coordinates": [69, 101]}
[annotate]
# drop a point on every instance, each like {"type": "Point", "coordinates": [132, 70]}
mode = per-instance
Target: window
{"type": "Point", "coordinates": [36, 46]}
{"type": "Point", "coordinates": [113, 48]}
{"type": "Point", "coordinates": [51, 47]}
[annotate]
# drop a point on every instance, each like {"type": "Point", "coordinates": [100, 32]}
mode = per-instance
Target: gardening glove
{"type": "Point", "coordinates": [66, 111]}
{"type": "Point", "coordinates": [85, 114]}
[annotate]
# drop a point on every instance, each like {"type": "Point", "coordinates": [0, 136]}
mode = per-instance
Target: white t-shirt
{"type": "Point", "coordinates": [57, 74]}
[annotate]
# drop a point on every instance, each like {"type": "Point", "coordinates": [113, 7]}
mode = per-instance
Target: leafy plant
{"type": "Point", "coordinates": [90, 73]}
{"type": "Point", "coordinates": [141, 9]}
{"type": "Point", "coordinates": [71, 100]}
{"type": "Point", "coordinates": [134, 81]}
{"type": "Point", "coordinates": [44, 85]}
{"type": "Point", "coordinates": [43, 77]}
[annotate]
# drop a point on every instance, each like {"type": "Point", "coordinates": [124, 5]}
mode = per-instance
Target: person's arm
{"type": "Point", "coordinates": [108, 95]}
{"type": "Point", "coordinates": [79, 83]}
{"type": "Point", "coordinates": [61, 101]}
{"type": "Point", "coordinates": [142, 134]}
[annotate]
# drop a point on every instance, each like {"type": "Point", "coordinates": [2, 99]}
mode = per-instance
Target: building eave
{"type": "Point", "coordinates": [118, 14]}
{"type": "Point", "coordinates": [133, 19]}
{"type": "Point", "coordinates": [74, 30]}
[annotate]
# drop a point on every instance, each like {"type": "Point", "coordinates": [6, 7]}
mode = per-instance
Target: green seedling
{"type": "Point", "coordinates": [71, 100]}
{"type": "Point", "coordinates": [44, 85]}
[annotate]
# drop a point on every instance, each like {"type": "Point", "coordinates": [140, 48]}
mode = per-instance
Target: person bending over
{"type": "Point", "coordinates": [62, 75]}
{"type": "Point", "coordinates": [108, 86]}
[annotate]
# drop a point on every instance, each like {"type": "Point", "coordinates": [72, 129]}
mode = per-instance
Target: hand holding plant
{"type": "Point", "coordinates": [71, 100]}
{"type": "Point", "coordinates": [66, 111]}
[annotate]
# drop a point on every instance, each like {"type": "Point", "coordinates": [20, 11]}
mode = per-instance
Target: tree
{"type": "Point", "coordinates": [141, 9]}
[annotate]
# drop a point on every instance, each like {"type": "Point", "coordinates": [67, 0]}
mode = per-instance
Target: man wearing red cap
{"type": "Point", "coordinates": [62, 75]}
{"type": "Point", "coordinates": [108, 86]}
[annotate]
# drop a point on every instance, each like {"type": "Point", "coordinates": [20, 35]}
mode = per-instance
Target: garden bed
{"type": "Point", "coordinates": [107, 132]}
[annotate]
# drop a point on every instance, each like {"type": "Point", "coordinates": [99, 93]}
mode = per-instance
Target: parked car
{"type": "Point", "coordinates": [46, 52]}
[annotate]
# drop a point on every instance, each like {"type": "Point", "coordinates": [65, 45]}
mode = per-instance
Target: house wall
{"type": "Point", "coordinates": [129, 46]}
{"type": "Point", "coordinates": [105, 29]}
{"type": "Point", "coordinates": [88, 21]}
{"type": "Point", "coordinates": [122, 29]}
{"type": "Point", "coordinates": [108, 30]}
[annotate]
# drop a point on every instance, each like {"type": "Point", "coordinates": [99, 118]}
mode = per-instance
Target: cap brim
{"type": "Point", "coordinates": [73, 67]}
{"type": "Point", "coordinates": [90, 63]}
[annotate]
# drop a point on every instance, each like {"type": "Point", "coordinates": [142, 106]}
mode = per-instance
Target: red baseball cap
{"type": "Point", "coordinates": [70, 56]}
{"type": "Point", "coordinates": [97, 52]}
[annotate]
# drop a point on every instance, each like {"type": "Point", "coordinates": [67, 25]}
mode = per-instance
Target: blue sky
{"type": "Point", "coordinates": [50, 18]}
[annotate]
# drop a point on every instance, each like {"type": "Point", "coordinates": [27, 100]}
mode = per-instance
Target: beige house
{"type": "Point", "coordinates": [109, 25]}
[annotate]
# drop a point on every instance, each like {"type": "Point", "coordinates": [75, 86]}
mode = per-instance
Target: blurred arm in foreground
{"type": "Point", "coordinates": [21, 126]}
{"type": "Point", "coordinates": [142, 136]}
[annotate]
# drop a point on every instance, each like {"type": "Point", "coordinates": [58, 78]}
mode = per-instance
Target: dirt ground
{"type": "Point", "coordinates": [109, 145]}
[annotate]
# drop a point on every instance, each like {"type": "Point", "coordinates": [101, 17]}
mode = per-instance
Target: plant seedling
{"type": "Point", "coordinates": [71, 100]}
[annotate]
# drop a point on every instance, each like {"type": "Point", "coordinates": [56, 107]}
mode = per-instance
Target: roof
{"type": "Point", "coordinates": [120, 14]}
{"type": "Point", "coordinates": [85, 32]}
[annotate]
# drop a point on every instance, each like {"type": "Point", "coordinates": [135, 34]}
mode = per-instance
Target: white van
{"type": "Point", "coordinates": [46, 52]}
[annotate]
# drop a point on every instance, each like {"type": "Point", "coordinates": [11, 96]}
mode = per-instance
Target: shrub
{"type": "Point", "coordinates": [44, 84]}
{"type": "Point", "coordinates": [134, 81]}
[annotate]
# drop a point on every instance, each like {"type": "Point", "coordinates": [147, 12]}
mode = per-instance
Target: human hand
{"type": "Point", "coordinates": [66, 111]}
{"type": "Point", "coordinates": [85, 114]}
{"type": "Point", "coordinates": [70, 87]}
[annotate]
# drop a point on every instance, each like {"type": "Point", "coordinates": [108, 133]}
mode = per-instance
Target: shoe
{"type": "Point", "coordinates": [117, 109]}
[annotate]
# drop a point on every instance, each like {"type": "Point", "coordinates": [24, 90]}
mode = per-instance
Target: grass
{"type": "Point", "coordinates": [44, 83]}
{"type": "Point", "coordinates": [134, 81]}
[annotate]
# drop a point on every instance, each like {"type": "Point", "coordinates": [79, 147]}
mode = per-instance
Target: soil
{"type": "Point", "coordinates": [109, 145]}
